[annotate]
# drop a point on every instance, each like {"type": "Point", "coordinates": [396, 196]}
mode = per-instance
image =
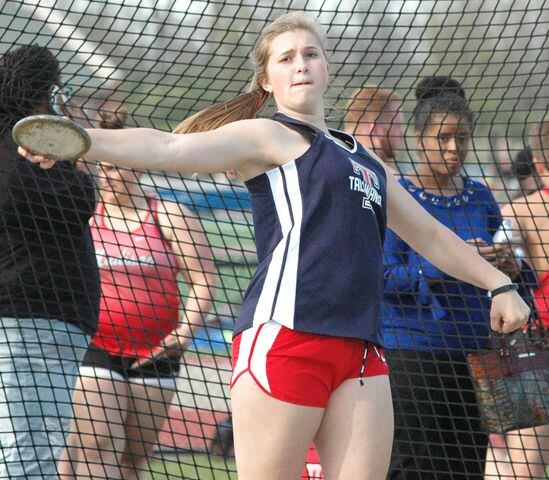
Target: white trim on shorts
{"type": "Point", "coordinates": [101, 372]}
{"type": "Point", "coordinates": [255, 344]}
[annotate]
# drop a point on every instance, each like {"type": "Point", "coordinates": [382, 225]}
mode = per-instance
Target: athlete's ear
{"type": "Point", "coordinates": [264, 82]}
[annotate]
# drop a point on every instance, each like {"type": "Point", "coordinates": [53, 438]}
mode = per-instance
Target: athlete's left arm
{"type": "Point", "coordinates": [444, 249]}
{"type": "Point", "coordinates": [195, 260]}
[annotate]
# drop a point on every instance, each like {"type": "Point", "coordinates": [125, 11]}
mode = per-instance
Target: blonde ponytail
{"type": "Point", "coordinates": [247, 105]}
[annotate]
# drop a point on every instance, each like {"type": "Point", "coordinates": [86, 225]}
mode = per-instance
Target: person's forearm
{"type": "Point", "coordinates": [453, 256]}
{"type": "Point", "coordinates": [144, 148]}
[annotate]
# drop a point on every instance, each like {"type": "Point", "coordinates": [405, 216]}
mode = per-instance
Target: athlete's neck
{"type": "Point", "coordinates": [316, 119]}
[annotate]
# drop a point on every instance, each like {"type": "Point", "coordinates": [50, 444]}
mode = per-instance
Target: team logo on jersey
{"type": "Point", "coordinates": [366, 181]}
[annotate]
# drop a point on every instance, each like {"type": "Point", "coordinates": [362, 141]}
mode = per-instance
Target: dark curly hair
{"type": "Point", "coordinates": [439, 95]}
{"type": "Point", "coordinates": [27, 74]}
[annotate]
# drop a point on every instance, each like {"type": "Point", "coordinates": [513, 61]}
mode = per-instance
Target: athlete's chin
{"type": "Point", "coordinates": [306, 104]}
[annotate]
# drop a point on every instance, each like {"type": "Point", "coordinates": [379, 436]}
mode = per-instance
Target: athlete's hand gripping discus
{"type": "Point", "coordinates": [51, 136]}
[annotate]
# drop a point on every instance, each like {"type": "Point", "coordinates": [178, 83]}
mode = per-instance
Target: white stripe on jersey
{"type": "Point", "coordinates": [285, 302]}
{"type": "Point", "coordinates": [270, 291]}
{"type": "Point", "coordinates": [264, 342]}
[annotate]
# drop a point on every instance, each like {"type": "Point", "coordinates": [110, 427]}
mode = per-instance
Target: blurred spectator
{"type": "Point", "coordinates": [509, 171]}
{"type": "Point", "coordinates": [373, 116]}
{"type": "Point", "coordinates": [525, 453]}
{"type": "Point", "coordinates": [49, 281]}
{"type": "Point", "coordinates": [430, 320]}
{"type": "Point", "coordinates": [502, 150]}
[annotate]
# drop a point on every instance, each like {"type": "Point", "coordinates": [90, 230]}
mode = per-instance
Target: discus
{"type": "Point", "coordinates": [51, 136]}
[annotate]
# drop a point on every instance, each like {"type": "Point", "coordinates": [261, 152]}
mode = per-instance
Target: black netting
{"type": "Point", "coordinates": [177, 251]}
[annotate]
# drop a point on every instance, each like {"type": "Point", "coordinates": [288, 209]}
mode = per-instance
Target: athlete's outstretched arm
{"type": "Point", "coordinates": [233, 146]}
{"type": "Point", "coordinates": [446, 251]}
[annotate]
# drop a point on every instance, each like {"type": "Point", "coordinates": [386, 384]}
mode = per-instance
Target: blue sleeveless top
{"type": "Point", "coordinates": [319, 229]}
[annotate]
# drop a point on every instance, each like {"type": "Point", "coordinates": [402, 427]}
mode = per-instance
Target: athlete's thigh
{"type": "Point", "coordinates": [356, 435]}
{"type": "Point", "coordinates": [271, 437]}
{"type": "Point", "coordinates": [147, 412]}
{"type": "Point", "coordinates": [100, 407]}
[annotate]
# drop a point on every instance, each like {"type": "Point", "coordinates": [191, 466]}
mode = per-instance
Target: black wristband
{"type": "Point", "coordinates": [505, 288]}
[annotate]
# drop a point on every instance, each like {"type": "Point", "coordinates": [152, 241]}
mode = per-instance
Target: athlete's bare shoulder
{"type": "Point", "coordinates": [262, 133]}
{"type": "Point", "coordinates": [284, 144]}
{"type": "Point", "coordinates": [276, 143]}
{"type": "Point", "coordinates": [263, 129]}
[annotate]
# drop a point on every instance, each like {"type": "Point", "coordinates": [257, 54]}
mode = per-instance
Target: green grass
{"type": "Point", "coordinates": [192, 466]}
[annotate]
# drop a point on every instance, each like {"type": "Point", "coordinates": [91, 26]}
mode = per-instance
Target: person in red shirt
{"type": "Point", "coordinates": [129, 373]}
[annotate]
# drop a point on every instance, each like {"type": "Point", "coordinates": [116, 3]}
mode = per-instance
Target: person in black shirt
{"type": "Point", "coordinates": [49, 280]}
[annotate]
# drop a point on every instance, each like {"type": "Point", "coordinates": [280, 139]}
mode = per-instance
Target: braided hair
{"type": "Point", "coordinates": [27, 74]}
{"type": "Point", "coordinates": [439, 95]}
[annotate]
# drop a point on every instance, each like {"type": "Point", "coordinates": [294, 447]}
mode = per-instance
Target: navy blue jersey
{"type": "Point", "coordinates": [319, 229]}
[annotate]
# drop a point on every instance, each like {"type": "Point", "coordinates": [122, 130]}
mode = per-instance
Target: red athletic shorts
{"type": "Point", "coordinates": [302, 368]}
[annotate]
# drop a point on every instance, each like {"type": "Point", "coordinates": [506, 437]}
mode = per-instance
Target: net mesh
{"type": "Point", "coordinates": [153, 64]}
